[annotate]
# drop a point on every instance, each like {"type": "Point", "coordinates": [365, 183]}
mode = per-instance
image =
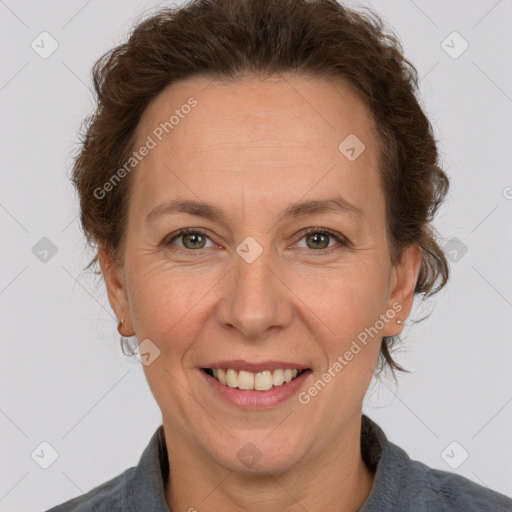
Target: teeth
{"type": "Point", "coordinates": [263, 380]}
{"type": "Point", "coordinates": [232, 378]}
{"type": "Point", "coordinates": [277, 378]}
{"type": "Point", "coordinates": [260, 381]}
{"type": "Point", "coordinates": [245, 380]}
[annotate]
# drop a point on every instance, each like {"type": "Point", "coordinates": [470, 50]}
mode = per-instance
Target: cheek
{"type": "Point", "coordinates": [347, 297]}
{"type": "Point", "coordinates": [172, 304]}
{"type": "Point", "coordinates": [166, 304]}
{"type": "Point", "coordinates": [169, 307]}
{"type": "Point", "coordinates": [348, 304]}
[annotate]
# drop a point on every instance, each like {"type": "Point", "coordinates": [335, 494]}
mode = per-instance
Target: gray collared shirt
{"type": "Point", "coordinates": [400, 485]}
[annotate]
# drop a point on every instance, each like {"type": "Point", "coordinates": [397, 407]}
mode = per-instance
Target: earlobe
{"type": "Point", "coordinates": [114, 282]}
{"type": "Point", "coordinates": [404, 283]}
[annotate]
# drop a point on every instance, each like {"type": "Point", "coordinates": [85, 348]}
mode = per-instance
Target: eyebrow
{"type": "Point", "coordinates": [202, 209]}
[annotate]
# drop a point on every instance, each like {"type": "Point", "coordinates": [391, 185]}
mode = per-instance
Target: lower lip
{"type": "Point", "coordinates": [248, 399]}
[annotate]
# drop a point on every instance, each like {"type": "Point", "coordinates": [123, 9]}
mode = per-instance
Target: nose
{"type": "Point", "coordinates": [255, 299]}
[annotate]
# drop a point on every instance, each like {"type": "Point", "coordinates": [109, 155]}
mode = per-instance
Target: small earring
{"type": "Point", "coordinates": [398, 321]}
{"type": "Point", "coordinates": [120, 325]}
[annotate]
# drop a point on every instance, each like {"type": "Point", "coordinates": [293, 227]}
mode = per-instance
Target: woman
{"type": "Point", "coordinates": [259, 180]}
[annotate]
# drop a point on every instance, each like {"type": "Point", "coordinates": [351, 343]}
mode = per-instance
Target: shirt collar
{"type": "Point", "coordinates": [389, 464]}
{"type": "Point", "coordinates": [144, 488]}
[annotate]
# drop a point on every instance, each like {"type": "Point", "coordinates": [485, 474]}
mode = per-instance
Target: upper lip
{"type": "Point", "coordinates": [240, 364]}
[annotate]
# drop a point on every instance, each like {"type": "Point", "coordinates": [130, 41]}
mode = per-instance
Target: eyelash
{"type": "Point", "coordinates": [338, 238]}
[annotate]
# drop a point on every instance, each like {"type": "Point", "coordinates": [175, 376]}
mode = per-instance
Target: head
{"type": "Point", "coordinates": [242, 120]}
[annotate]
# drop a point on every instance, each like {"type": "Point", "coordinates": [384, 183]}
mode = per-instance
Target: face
{"type": "Point", "coordinates": [259, 283]}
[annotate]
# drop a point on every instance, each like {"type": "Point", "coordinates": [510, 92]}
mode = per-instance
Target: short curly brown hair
{"type": "Point", "coordinates": [226, 38]}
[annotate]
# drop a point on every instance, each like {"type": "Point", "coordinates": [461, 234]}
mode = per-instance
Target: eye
{"type": "Point", "coordinates": [192, 238]}
{"type": "Point", "coordinates": [318, 238]}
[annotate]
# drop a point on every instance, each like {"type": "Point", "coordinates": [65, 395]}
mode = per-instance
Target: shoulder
{"type": "Point", "coordinates": [137, 488]}
{"type": "Point", "coordinates": [435, 489]}
{"type": "Point", "coordinates": [105, 497]}
{"type": "Point", "coordinates": [402, 484]}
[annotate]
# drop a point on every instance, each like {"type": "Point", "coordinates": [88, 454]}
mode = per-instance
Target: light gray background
{"type": "Point", "coordinates": [64, 379]}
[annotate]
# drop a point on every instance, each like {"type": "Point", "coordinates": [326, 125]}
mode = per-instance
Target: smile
{"type": "Point", "coordinates": [259, 381]}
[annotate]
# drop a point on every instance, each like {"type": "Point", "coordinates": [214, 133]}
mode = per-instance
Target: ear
{"type": "Point", "coordinates": [403, 282]}
{"type": "Point", "coordinates": [115, 282]}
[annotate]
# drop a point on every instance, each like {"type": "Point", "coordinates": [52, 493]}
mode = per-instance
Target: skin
{"type": "Point", "coordinates": [252, 147]}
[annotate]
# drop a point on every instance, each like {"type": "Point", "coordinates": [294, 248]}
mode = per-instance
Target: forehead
{"type": "Point", "coordinates": [282, 136]}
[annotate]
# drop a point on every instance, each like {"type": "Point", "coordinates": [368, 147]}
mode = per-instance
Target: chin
{"type": "Point", "coordinates": [260, 457]}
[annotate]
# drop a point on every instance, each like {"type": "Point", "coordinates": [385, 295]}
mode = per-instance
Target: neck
{"type": "Point", "coordinates": [336, 479]}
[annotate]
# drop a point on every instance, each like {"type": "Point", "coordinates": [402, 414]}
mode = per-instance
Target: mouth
{"type": "Point", "coordinates": [264, 380]}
